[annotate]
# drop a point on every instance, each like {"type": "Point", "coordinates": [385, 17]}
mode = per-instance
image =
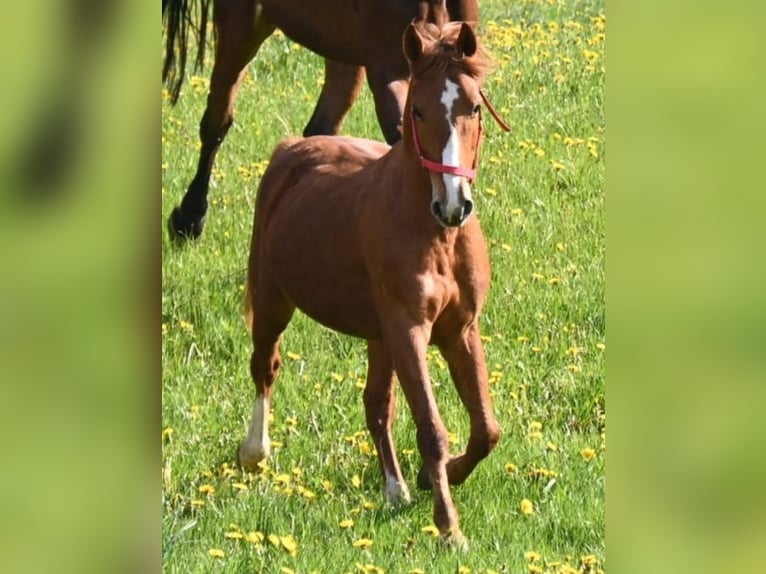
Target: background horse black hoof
{"type": "Point", "coordinates": [181, 227]}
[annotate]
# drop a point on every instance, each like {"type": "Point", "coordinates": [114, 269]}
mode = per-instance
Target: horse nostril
{"type": "Point", "coordinates": [467, 208]}
{"type": "Point", "coordinates": [436, 209]}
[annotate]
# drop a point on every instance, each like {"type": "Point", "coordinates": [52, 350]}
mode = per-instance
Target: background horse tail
{"type": "Point", "coordinates": [177, 17]}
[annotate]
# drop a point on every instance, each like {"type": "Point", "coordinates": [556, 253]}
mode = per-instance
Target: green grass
{"type": "Point", "coordinates": [544, 323]}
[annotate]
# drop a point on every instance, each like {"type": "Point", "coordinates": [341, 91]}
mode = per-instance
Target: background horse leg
{"type": "Point", "coordinates": [468, 368]}
{"type": "Point", "coordinates": [379, 406]}
{"type": "Point", "coordinates": [339, 92]}
{"type": "Point", "coordinates": [389, 92]}
{"type": "Point", "coordinates": [240, 30]}
{"type": "Point", "coordinates": [272, 312]}
{"type": "Point", "coordinates": [408, 350]}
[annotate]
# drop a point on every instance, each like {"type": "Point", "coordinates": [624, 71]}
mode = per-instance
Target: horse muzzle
{"type": "Point", "coordinates": [451, 215]}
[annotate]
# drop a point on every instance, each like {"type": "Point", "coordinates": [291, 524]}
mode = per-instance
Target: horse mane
{"type": "Point", "coordinates": [440, 52]}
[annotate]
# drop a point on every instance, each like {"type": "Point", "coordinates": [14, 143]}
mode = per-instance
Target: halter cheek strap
{"type": "Point", "coordinates": [436, 167]}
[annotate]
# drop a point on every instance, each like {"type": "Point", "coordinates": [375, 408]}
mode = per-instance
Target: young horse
{"type": "Point", "coordinates": [379, 243]}
{"type": "Point", "coordinates": [353, 35]}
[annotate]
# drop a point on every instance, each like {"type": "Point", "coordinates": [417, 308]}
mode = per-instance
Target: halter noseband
{"type": "Point", "coordinates": [436, 167]}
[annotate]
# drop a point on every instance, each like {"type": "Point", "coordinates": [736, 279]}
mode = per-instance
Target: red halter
{"type": "Point", "coordinates": [437, 167]}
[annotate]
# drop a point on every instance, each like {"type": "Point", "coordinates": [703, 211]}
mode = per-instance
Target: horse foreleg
{"type": "Point", "coordinates": [468, 368]}
{"type": "Point", "coordinates": [240, 31]}
{"type": "Point", "coordinates": [389, 93]}
{"type": "Point", "coordinates": [408, 350]}
{"type": "Point", "coordinates": [379, 406]}
{"type": "Point", "coordinates": [339, 92]}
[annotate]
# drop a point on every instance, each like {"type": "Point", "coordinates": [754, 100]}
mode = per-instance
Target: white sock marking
{"type": "Point", "coordinates": [257, 445]}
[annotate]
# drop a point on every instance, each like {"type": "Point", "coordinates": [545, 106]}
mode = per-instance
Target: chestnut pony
{"type": "Point", "coordinates": [380, 243]}
{"type": "Point", "coordinates": [354, 36]}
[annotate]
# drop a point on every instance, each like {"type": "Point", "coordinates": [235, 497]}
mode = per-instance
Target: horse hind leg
{"type": "Point", "coordinates": [340, 89]}
{"type": "Point", "coordinates": [271, 312]}
{"type": "Point", "coordinates": [240, 31]}
{"type": "Point", "coordinates": [380, 405]}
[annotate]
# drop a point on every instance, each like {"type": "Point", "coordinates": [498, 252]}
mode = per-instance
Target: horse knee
{"type": "Point", "coordinates": [433, 444]}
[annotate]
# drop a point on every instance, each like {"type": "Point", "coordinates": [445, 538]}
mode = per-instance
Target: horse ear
{"type": "Point", "coordinates": [466, 41]}
{"type": "Point", "coordinates": [411, 44]}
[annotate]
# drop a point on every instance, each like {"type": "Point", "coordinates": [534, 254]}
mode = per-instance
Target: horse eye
{"type": "Point", "coordinates": [417, 113]}
{"type": "Point", "coordinates": [476, 109]}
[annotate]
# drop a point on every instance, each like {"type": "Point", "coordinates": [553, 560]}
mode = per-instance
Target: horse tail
{"type": "Point", "coordinates": [177, 17]}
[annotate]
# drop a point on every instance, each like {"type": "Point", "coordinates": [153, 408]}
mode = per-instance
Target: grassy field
{"type": "Point", "coordinates": [536, 504]}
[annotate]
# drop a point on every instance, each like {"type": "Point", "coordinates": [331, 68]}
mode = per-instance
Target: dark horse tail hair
{"type": "Point", "coordinates": [177, 17]}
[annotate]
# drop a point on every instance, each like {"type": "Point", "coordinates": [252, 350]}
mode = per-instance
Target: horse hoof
{"type": "Point", "coordinates": [424, 481]}
{"type": "Point", "coordinates": [249, 459]}
{"type": "Point", "coordinates": [397, 494]}
{"type": "Point", "coordinates": [455, 539]}
{"type": "Point", "coordinates": [182, 228]}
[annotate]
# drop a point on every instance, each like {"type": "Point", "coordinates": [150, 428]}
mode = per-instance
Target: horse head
{"type": "Point", "coordinates": [443, 112]}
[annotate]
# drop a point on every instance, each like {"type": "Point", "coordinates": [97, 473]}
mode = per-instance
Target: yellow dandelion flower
{"type": "Point", "coordinates": [490, 191]}
{"type": "Point", "coordinates": [535, 426]}
{"type": "Point", "coordinates": [552, 447]}
{"type": "Point", "coordinates": [274, 540]}
{"type": "Point", "coordinates": [554, 280]}
{"type": "Point", "coordinates": [367, 505]}
{"type": "Point", "coordinates": [416, 571]}
{"type": "Point", "coordinates": [293, 356]}
{"type": "Point", "coordinates": [356, 482]}
{"type": "Point", "coordinates": [511, 468]}
{"type": "Point", "coordinates": [534, 569]}
{"type": "Point", "coordinates": [430, 529]}
{"type": "Point", "coordinates": [286, 570]}
{"type": "Point", "coordinates": [254, 537]}
{"type": "Point", "coordinates": [239, 486]}
{"type": "Point", "coordinates": [517, 211]}
{"type": "Point", "coordinates": [283, 478]}
{"type": "Point", "coordinates": [464, 570]}
{"type": "Point", "coordinates": [197, 502]}
{"type": "Point", "coordinates": [600, 346]}
{"type": "Point", "coordinates": [362, 543]}
{"type": "Point", "coordinates": [337, 377]}
{"type": "Point", "coordinates": [234, 535]}
{"type": "Point", "coordinates": [346, 523]}
{"type": "Point", "coordinates": [587, 453]}
{"type": "Point", "coordinates": [527, 507]}
{"type": "Point", "coordinates": [289, 543]}
{"type": "Point", "coordinates": [208, 489]}
{"type": "Point", "coordinates": [167, 433]}
{"type": "Point", "coordinates": [216, 553]}
{"type": "Point", "coordinates": [532, 556]}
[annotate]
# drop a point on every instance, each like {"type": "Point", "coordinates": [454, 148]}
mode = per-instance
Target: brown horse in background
{"type": "Point", "coordinates": [354, 36]}
{"type": "Point", "coordinates": [380, 243]}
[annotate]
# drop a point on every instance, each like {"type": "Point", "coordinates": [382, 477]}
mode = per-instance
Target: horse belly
{"type": "Point", "coordinates": [317, 265]}
{"type": "Point", "coordinates": [330, 29]}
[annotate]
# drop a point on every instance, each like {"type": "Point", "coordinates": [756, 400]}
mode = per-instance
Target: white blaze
{"type": "Point", "coordinates": [451, 152]}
